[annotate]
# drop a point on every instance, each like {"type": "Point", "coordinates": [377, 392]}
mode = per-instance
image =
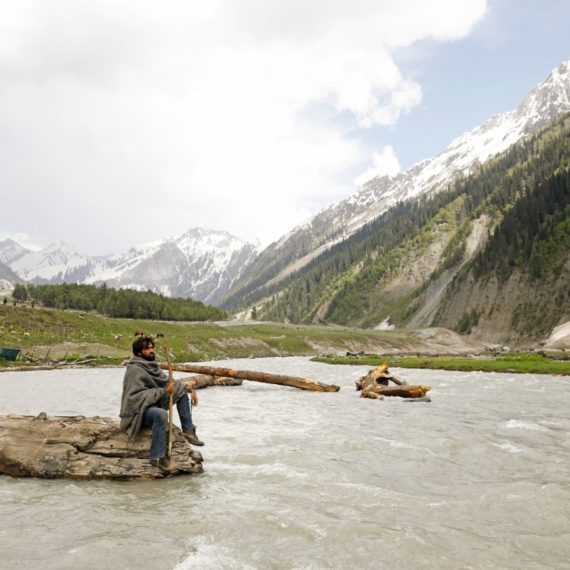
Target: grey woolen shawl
{"type": "Point", "coordinates": [144, 386]}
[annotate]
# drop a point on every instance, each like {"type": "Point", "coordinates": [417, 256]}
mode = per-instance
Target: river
{"type": "Point", "coordinates": [478, 478]}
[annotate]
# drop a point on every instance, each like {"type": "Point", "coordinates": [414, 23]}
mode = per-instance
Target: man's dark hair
{"type": "Point", "coordinates": [140, 343]}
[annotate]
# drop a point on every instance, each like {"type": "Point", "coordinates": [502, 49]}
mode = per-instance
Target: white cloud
{"type": "Point", "coordinates": [384, 163]}
{"type": "Point", "coordinates": [145, 119]}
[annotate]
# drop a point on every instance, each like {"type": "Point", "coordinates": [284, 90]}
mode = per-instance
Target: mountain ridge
{"type": "Point", "coordinates": [200, 264]}
{"type": "Point", "coordinates": [547, 100]}
{"type": "Point", "coordinates": [488, 257]}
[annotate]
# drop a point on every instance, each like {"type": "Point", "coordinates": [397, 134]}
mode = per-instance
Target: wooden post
{"type": "Point", "coordinates": [170, 399]}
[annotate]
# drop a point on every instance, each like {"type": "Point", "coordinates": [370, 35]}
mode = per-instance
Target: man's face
{"type": "Point", "coordinates": [148, 353]}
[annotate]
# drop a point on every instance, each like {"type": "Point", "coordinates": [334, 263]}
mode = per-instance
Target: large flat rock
{"type": "Point", "coordinates": [80, 447]}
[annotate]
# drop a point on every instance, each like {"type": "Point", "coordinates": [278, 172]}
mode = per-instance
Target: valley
{"type": "Point", "coordinates": [475, 240]}
{"type": "Point", "coordinates": [55, 337]}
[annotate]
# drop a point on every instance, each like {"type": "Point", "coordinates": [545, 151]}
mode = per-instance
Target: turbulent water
{"type": "Point", "coordinates": [478, 478]}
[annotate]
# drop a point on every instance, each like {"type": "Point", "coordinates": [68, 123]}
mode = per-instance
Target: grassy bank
{"type": "Point", "coordinates": [71, 335]}
{"type": "Point", "coordinates": [65, 335]}
{"type": "Point", "coordinates": [524, 363]}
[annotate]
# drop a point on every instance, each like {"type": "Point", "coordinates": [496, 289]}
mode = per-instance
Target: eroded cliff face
{"type": "Point", "coordinates": [430, 300]}
{"type": "Point", "coordinates": [515, 310]}
{"type": "Point", "coordinates": [519, 310]}
{"type": "Point", "coordinates": [412, 295]}
{"type": "Point", "coordinates": [423, 292]}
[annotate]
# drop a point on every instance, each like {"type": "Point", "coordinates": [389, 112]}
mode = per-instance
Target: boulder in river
{"type": "Point", "coordinates": [80, 447]}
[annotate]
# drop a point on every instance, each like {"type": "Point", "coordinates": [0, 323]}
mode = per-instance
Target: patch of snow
{"type": "Point", "coordinates": [385, 325]}
{"type": "Point", "coordinates": [6, 287]}
{"type": "Point", "coordinates": [559, 333]}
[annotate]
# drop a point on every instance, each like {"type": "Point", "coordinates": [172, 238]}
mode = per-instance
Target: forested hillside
{"type": "Point", "coordinates": [121, 303]}
{"type": "Point", "coordinates": [487, 256]}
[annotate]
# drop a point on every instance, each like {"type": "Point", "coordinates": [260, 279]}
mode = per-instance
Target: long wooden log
{"type": "Point", "coordinates": [201, 381]}
{"type": "Point", "coordinates": [256, 377]}
{"type": "Point", "coordinates": [407, 391]}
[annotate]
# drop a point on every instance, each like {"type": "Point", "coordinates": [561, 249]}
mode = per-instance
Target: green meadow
{"type": "Point", "coordinates": [48, 335]}
{"type": "Point", "coordinates": [522, 363]}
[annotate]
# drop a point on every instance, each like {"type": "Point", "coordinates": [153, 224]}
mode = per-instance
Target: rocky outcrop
{"type": "Point", "coordinates": [80, 447]}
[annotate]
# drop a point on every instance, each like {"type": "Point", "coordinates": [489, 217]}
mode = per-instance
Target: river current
{"type": "Point", "coordinates": [477, 478]}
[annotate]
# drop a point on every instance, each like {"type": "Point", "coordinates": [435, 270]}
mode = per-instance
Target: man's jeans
{"type": "Point", "coordinates": [158, 419]}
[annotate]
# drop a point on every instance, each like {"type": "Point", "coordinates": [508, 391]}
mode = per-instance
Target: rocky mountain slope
{"type": "Point", "coordinates": [545, 102]}
{"type": "Point", "coordinates": [201, 264]}
{"type": "Point", "coordinates": [488, 257]}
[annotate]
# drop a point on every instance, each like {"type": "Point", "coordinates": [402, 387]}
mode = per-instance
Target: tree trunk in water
{"type": "Point", "coordinates": [256, 377]}
{"type": "Point", "coordinates": [407, 391]}
{"type": "Point", "coordinates": [205, 380]}
{"type": "Point", "coordinates": [375, 385]}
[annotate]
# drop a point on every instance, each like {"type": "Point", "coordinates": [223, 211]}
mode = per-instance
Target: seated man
{"type": "Point", "coordinates": [145, 399]}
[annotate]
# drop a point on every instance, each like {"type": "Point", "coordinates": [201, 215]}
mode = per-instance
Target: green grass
{"type": "Point", "coordinates": [524, 363]}
{"type": "Point", "coordinates": [69, 335]}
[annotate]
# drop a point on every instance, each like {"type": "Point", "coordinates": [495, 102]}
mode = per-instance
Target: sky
{"type": "Point", "coordinates": [124, 122]}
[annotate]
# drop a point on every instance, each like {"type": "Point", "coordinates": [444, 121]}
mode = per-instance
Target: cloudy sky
{"type": "Point", "coordinates": [126, 121]}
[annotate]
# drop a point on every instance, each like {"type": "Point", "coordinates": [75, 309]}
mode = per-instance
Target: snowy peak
{"type": "Point", "coordinates": [543, 104]}
{"type": "Point", "coordinates": [60, 252]}
{"type": "Point", "coordinates": [11, 251]}
{"type": "Point", "coordinates": [219, 246]}
{"type": "Point", "coordinates": [56, 263]}
{"type": "Point", "coordinates": [548, 99]}
{"type": "Point", "coordinates": [198, 240]}
{"type": "Point", "coordinates": [201, 264]}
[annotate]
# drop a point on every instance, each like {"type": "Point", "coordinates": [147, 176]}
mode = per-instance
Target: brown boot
{"type": "Point", "coordinates": [164, 464]}
{"type": "Point", "coordinates": [191, 437]}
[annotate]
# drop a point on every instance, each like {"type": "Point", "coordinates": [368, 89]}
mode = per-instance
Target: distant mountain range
{"type": "Point", "coordinates": [476, 239]}
{"type": "Point", "coordinates": [201, 264]}
{"type": "Point", "coordinates": [545, 102]}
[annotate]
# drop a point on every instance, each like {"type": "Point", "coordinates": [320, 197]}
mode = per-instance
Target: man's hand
{"type": "Point", "coordinates": [170, 388]}
{"type": "Point", "coordinates": [193, 397]}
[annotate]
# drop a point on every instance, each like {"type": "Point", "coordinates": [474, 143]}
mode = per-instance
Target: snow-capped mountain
{"type": "Point", "coordinates": [10, 251]}
{"type": "Point", "coordinates": [57, 263]}
{"type": "Point", "coordinates": [545, 102]}
{"type": "Point", "coordinates": [201, 264]}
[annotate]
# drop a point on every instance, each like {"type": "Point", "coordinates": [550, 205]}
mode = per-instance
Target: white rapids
{"type": "Point", "coordinates": [478, 478]}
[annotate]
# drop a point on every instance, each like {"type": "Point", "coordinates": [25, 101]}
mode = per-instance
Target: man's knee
{"type": "Point", "coordinates": [159, 416]}
{"type": "Point", "coordinates": [182, 397]}
{"type": "Point", "coordinates": [163, 416]}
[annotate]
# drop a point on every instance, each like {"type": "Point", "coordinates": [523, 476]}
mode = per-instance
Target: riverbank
{"type": "Point", "coordinates": [47, 336]}
{"type": "Point", "coordinates": [520, 363]}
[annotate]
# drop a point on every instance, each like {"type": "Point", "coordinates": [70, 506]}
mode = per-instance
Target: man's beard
{"type": "Point", "coordinates": [150, 357]}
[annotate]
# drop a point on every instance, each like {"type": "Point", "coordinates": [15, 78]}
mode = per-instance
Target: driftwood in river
{"type": "Point", "coordinates": [376, 385]}
{"type": "Point", "coordinates": [200, 381]}
{"type": "Point", "coordinates": [80, 447]}
{"type": "Point", "coordinates": [256, 377]}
